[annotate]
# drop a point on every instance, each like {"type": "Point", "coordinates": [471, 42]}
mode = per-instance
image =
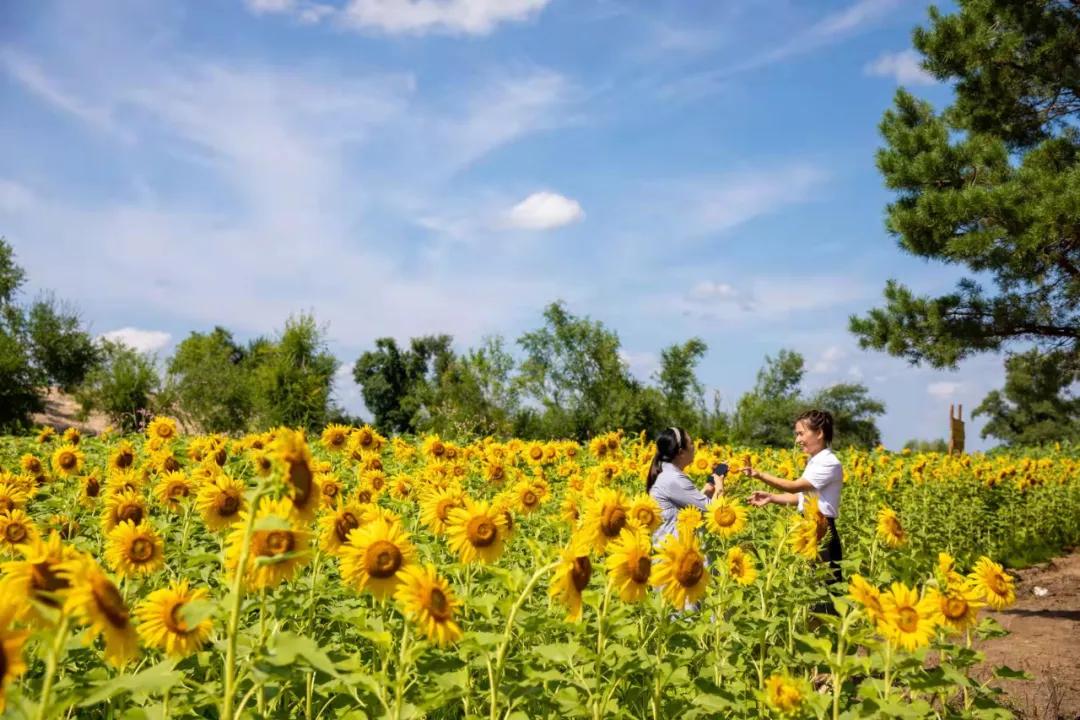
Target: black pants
{"type": "Point", "coordinates": [832, 553]}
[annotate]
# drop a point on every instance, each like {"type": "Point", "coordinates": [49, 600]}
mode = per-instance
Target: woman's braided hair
{"type": "Point", "coordinates": [818, 420]}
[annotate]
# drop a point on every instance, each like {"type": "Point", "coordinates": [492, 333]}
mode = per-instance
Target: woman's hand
{"type": "Point", "coordinates": [709, 490]}
{"type": "Point", "coordinates": [760, 498]}
{"type": "Point", "coordinates": [750, 472]}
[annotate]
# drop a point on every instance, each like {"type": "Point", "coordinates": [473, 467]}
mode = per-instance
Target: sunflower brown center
{"type": "Point", "coordinates": [444, 507]}
{"type": "Point", "coordinates": [529, 499]}
{"type": "Point", "coordinates": [725, 517]}
{"type": "Point", "coordinates": [330, 490]}
{"type": "Point", "coordinates": [131, 512]}
{"type": "Point", "coordinates": [273, 542]}
{"type": "Point", "coordinates": [439, 605]}
{"type": "Point", "coordinates": [124, 459]}
{"type": "Point", "coordinates": [383, 559]}
{"type": "Point", "coordinates": [365, 438]}
{"type": "Point", "coordinates": [67, 460]}
{"type": "Point", "coordinates": [171, 464]}
{"type": "Point", "coordinates": [581, 572]}
{"type": "Point", "coordinates": [300, 479]}
{"type": "Point", "coordinates": [228, 504]}
{"type": "Point", "coordinates": [109, 602]}
{"type": "Point", "coordinates": [613, 520]}
{"type": "Point", "coordinates": [142, 550]}
{"type": "Point", "coordinates": [640, 571]}
{"type": "Point", "coordinates": [438, 449]}
{"type": "Point", "coordinates": [6, 504]}
{"type": "Point", "coordinates": [15, 533]}
{"type": "Point", "coordinates": [92, 487]}
{"type": "Point", "coordinates": [644, 516]}
{"type": "Point", "coordinates": [345, 524]}
{"type": "Point", "coordinates": [907, 619]}
{"type": "Point", "coordinates": [174, 620]}
{"type": "Point", "coordinates": [497, 472]}
{"type": "Point", "coordinates": [690, 570]}
{"type": "Point", "coordinates": [536, 453]}
{"type": "Point", "coordinates": [337, 439]}
{"type": "Point", "coordinates": [363, 496]}
{"type": "Point", "coordinates": [482, 531]}
{"type": "Point", "coordinates": [178, 490]}
{"type": "Point", "coordinates": [33, 466]}
{"type": "Point", "coordinates": [955, 608]}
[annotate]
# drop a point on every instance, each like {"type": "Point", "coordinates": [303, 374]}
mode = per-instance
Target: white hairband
{"type": "Point", "coordinates": [678, 436]}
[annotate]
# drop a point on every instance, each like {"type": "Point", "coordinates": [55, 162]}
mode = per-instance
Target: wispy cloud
{"type": "Point", "coordinates": [726, 202]}
{"type": "Point", "coordinates": [544, 211]}
{"type": "Point", "coordinates": [145, 341]}
{"type": "Point", "coordinates": [905, 67]}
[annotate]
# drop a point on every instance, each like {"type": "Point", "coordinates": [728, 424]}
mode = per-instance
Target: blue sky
{"type": "Point", "coordinates": [400, 167]}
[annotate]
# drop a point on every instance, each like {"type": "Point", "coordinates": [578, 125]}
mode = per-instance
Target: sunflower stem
{"type": "Point", "coordinates": [888, 671]}
{"type": "Point", "coordinates": [237, 596]}
{"type": "Point", "coordinates": [598, 703]}
{"type": "Point", "coordinates": [309, 681]}
{"type": "Point", "coordinates": [500, 655]}
{"type": "Point", "coordinates": [51, 663]}
{"type": "Point", "coordinates": [838, 667]}
{"type": "Point", "coordinates": [402, 673]}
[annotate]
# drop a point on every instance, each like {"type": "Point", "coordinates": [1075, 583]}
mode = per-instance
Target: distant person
{"type": "Point", "coordinates": [669, 485]}
{"type": "Point", "coordinates": [823, 475]}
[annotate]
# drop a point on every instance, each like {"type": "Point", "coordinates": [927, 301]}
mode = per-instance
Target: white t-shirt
{"type": "Point", "coordinates": [825, 474]}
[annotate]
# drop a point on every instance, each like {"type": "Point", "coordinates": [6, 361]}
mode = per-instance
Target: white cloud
{"type": "Point", "coordinates": [452, 17]}
{"type": "Point", "coordinates": [903, 66]}
{"type": "Point", "coordinates": [270, 6]}
{"type": "Point", "coordinates": [763, 298]}
{"type": "Point", "coordinates": [713, 292]}
{"type": "Point", "coordinates": [641, 365]}
{"type": "Point", "coordinates": [544, 211]}
{"type": "Point", "coordinates": [829, 360]}
{"type": "Point", "coordinates": [943, 389]}
{"type": "Point", "coordinates": [142, 340]}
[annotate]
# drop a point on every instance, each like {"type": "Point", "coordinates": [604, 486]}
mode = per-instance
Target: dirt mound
{"type": "Point", "coordinates": [61, 411]}
{"type": "Point", "coordinates": [1044, 640]}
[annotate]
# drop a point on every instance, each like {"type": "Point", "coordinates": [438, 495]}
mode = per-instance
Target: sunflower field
{"type": "Point", "coordinates": [355, 576]}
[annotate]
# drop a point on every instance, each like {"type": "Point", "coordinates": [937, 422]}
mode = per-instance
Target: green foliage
{"type": "Point", "coordinates": [991, 184]}
{"type": "Point", "coordinates": [293, 377]}
{"type": "Point", "coordinates": [42, 345]}
{"type": "Point", "coordinates": [63, 350]}
{"type": "Point", "coordinates": [210, 381]}
{"type": "Point", "coordinates": [764, 415]}
{"type": "Point", "coordinates": [938, 445]}
{"type": "Point", "coordinates": [121, 386]}
{"type": "Point", "coordinates": [476, 395]}
{"type": "Point", "coordinates": [1037, 404]}
{"type": "Point", "coordinates": [395, 383]}
{"type": "Point", "coordinates": [677, 381]}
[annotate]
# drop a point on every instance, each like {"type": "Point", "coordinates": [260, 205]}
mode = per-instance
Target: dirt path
{"type": "Point", "coordinates": [1044, 640]}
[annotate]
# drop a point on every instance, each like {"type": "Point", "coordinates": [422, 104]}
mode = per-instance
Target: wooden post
{"type": "Point", "coordinates": [956, 431]}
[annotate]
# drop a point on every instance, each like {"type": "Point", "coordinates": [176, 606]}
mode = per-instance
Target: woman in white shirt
{"type": "Point", "coordinates": [823, 475]}
{"type": "Point", "coordinates": [669, 485]}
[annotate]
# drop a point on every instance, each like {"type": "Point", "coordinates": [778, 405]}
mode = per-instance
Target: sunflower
{"type": "Point", "coordinates": [959, 607]}
{"type": "Point", "coordinates": [329, 488]}
{"type": "Point", "coordinates": [262, 463]}
{"type": "Point", "coordinates": [783, 694]}
{"type": "Point", "coordinates": [293, 452]}
{"type": "Point", "coordinates": [687, 521]}
{"type": "Point", "coordinates": [725, 517]}
{"type": "Point", "coordinates": [889, 529]}
{"type": "Point", "coordinates": [644, 513]}
{"type": "Point", "coordinates": [605, 517]}
{"type": "Point", "coordinates": [277, 547]}
{"type": "Point", "coordinates": [374, 557]}
{"type": "Point", "coordinates": [365, 441]}
{"type": "Point", "coordinates": [629, 563]}
{"type": "Point", "coordinates": [162, 429]}
{"type": "Point", "coordinates": [868, 596]}
{"type": "Point", "coordinates": [31, 465]}
{"type": "Point", "coordinates": [476, 532]}
{"type": "Point", "coordinates": [67, 526]}
{"type": "Point", "coordinates": [172, 490]}
{"type": "Point", "coordinates": [531, 493]}
{"type": "Point", "coordinates": [12, 497]}
{"type": "Point", "coordinates": [993, 583]}
{"type": "Point", "coordinates": [427, 600]}
{"type": "Point", "coordinates": [132, 549]}
{"type": "Point", "coordinates": [162, 623]}
{"type": "Point", "coordinates": [67, 460]}
{"type": "Point", "coordinates": [164, 461]}
{"type": "Point", "coordinates": [121, 506]}
{"type": "Point", "coordinates": [570, 507]}
{"type": "Point", "coordinates": [804, 538]}
{"type": "Point", "coordinates": [679, 571]}
{"type": "Point", "coordinates": [335, 437]}
{"type": "Point", "coordinates": [11, 659]}
{"type": "Point", "coordinates": [122, 457]}
{"type": "Point", "coordinates": [16, 528]}
{"type": "Point", "coordinates": [435, 509]}
{"type": "Point", "coordinates": [95, 602]}
{"type": "Point", "coordinates": [401, 487]}
{"type": "Point", "coordinates": [434, 448]}
{"type": "Point", "coordinates": [572, 576]}
{"type": "Point", "coordinates": [740, 566]}
{"type": "Point", "coordinates": [909, 620]}
{"type": "Point", "coordinates": [35, 580]}
{"type": "Point", "coordinates": [334, 528]}
{"type": "Point", "coordinates": [45, 435]}
{"type": "Point", "coordinates": [220, 502]}
{"type": "Point", "coordinates": [117, 481]}
{"type": "Point", "coordinates": [495, 472]}
{"type": "Point", "coordinates": [72, 436]}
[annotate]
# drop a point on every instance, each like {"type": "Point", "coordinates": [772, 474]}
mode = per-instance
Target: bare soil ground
{"type": "Point", "coordinates": [1043, 639]}
{"type": "Point", "coordinates": [60, 413]}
